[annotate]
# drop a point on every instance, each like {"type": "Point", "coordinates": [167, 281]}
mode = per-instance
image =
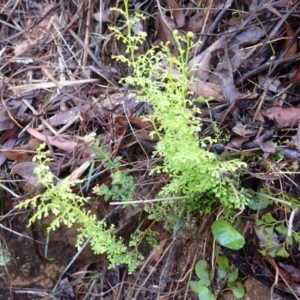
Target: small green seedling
{"type": "Point", "coordinates": [229, 274]}
{"type": "Point", "coordinates": [201, 287]}
{"type": "Point", "coordinates": [226, 273]}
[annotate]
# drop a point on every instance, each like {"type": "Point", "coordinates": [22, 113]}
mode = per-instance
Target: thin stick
{"type": "Point", "coordinates": [147, 201]}
{"type": "Point", "coordinates": [70, 264]}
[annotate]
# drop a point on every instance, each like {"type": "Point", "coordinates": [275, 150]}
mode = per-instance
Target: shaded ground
{"type": "Point", "coordinates": [59, 84]}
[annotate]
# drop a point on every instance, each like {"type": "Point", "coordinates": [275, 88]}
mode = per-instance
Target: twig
{"type": "Point", "coordinates": [213, 25]}
{"type": "Point", "coordinates": [20, 234]}
{"type": "Point", "coordinates": [70, 264]}
{"type": "Point", "coordinates": [146, 201]}
{"type": "Point", "coordinates": [266, 66]}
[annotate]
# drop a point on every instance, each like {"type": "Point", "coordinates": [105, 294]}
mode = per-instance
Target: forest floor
{"type": "Point", "coordinates": [59, 83]}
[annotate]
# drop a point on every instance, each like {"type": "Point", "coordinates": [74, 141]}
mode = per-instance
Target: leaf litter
{"type": "Point", "coordinates": [59, 84]}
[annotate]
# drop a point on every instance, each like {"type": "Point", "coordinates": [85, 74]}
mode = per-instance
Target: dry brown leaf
{"type": "Point", "coordinates": [164, 26]}
{"type": "Point", "coordinates": [237, 142]}
{"type": "Point", "coordinates": [207, 89]}
{"type": "Point", "coordinates": [177, 13]}
{"type": "Point", "coordinates": [195, 23]}
{"type": "Point", "coordinates": [113, 104]}
{"type": "Point", "coordinates": [23, 153]}
{"type": "Point", "coordinates": [155, 254]}
{"type": "Point", "coordinates": [242, 131]}
{"type": "Point", "coordinates": [295, 77]}
{"type": "Point", "coordinates": [64, 117]}
{"type": "Point", "coordinates": [26, 170]}
{"type": "Point", "coordinates": [136, 121]}
{"type": "Point", "coordinates": [7, 145]}
{"type": "Point", "coordinates": [229, 89]}
{"type": "Point", "coordinates": [81, 272]}
{"type": "Point", "coordinates": [143, 134]}
{"type": "Point", "coordinates": [5, 122]}
{"type": "Point", "coordinates": [284, 116]}
{"type": "Point", "coordinates": [57, 141]}
{"type": "Point", "coordinates": [104, 16]}
{"type": "Point", "coordinates": [289, 272]}
{"type": "Point", "coordinates": [200, 65]}
{"type": "Point", "coordinates": [267, 147]}
{"type": "Point", "coordinates": [290, 34]}
{"type": "Point", "coordinates": [67, 288]}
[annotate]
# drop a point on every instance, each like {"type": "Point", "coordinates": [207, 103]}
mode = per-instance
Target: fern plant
{"type": "Point", "coordinates": [163, 81]}
{"type": "Point", "coordinates": [68, 208]}
{"type": "Point", "coordinates": [122, 185]}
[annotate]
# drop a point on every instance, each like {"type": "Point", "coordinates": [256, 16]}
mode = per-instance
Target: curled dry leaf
{"type": "Point", "coordinates": [290, 272]}
{"type": "Point", "coordinates": [104, 16]}
{"type": "Point", "coordinates": [81, 272]}
{"type": "Point", "coordinates": [61, 142]}
{"type": "Point", "coordinates": [195, 23]}
{"type": "Point", "coordinates": [26, 170]}
{"type": "Point", "coordinates": [64, 117]}
{"type": "Point", "coordinates": [23, 153]}
{"type": "Point", "coordinates": [164, 26]}
{"type": "Point", "coordinates": [137, 121]}
{"type": "Point", "coordinates": [67, 288]}
{"type": "Point", "coordinates": [57, 141]}
{"type": "Point", "coordinates": [242, 131]}
{"type": "Point", "coordinates": [237, 142]}
{"type": "Point", "coordinates": [284, 116]}
{"type": "Point", "coordinates": [264, 142]}
{"type": "Point", "coordinates": [292, 48]}
{"type": "Point", "coordinates": [207, 89]}
{"type": "Point", "coordinates": [5, 122]}
{"type": "Point", "coordinates": [229, 89]}
{"type": "Point", "coordinates": [113, 104]}
{"type": "Point", "coordinates": [295, 76]}
{"type": "Point", "coordinates": [200, 65]}
{"type": "Point", "coordinates": [177, 13]}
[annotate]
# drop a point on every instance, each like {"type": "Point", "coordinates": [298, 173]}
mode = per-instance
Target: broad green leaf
{"type": "Point", "coordinates": [296, 236]}
{"type": "Point", "coordinates": [233, 275]}
{"type": "Point", "coordinates": [201, 269]}
{"type": "Point", "coordinates": [289, 240]}
{"type": "Point", "coordinates": [205, 294]}
{"type": "Point", "coordinates": [258, 202]}
{"type": "Point", "coordinates": [223, 262]}
{"type": "Point", "coordinates": [227, 235]}
{"type": "Point", "coordinates": [268, 218]}
{"type": "Point", "coordinates": [195, 286]}
{"type": "Point", "coordinates": [269, 229]}
{"type": "Point", "coordinates": [204, 282]}
{"type": "Point", "coordinates": [281, 228]}
{"type": "Point", "coordinates": [259, 222]}
{"type": "Point", "coordinates": [237, 289]}
{"type": "Point", "coordinates": [222, 273]}
{"type": "Point", "coordinates": [282, 252]}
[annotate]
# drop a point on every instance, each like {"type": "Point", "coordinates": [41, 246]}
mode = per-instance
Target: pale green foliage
{"type": "Point", "coordinates": [131, 40]}
{"type": "Point", "coordinates": [275, 238]}
{"type": "Point", "coordinates": [150, 237]}
{"type": "Point", "coordinates": [267, 228]}
{"type": "Point", "coordinates": [122, 185]}
{"type": "Point", "coordinates": [173, 217]}
{"type": "Point", "coordinates": [68, 208]}
{"type": "Point", "coordinates": [226, 274]}
{"type": "Point", "coordinates": [163, 81]}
